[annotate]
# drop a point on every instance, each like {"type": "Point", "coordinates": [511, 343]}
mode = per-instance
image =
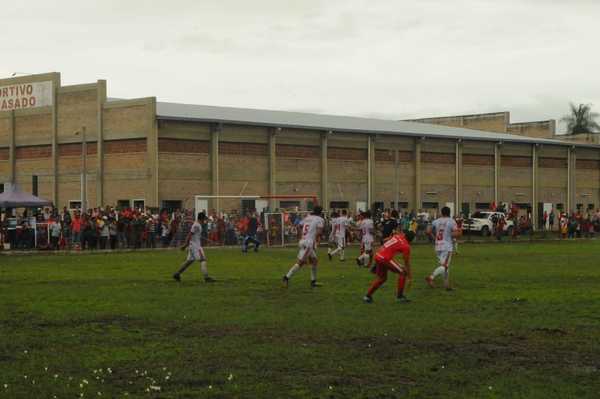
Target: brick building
{"type": "Point", "coordinates": [164, 154]}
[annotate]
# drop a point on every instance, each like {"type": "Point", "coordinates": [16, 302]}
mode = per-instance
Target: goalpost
{"type": "Point", "coordinates": [275, 223]}
{"type": "Point", "coordinates": [201, 201]}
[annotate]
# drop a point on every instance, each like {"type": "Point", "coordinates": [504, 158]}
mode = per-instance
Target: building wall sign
{"type": "Point", "coordinates": [26, 95]}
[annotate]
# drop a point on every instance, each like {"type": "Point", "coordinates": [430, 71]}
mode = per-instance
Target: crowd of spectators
{"type": "Point", "coordinates": [111, 228]}
{"type": "Point", "coordinates": [98, 228]}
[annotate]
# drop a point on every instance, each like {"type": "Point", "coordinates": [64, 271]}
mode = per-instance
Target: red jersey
{"type": "Point", "coordinates": [397, 243]}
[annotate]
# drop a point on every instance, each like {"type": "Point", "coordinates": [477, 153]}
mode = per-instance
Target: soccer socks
{"type": "Point", "coordinates": [204, 269]}
{"type": "Point", "coordinates": [447, 278]}
{"type": "Point", "coordinates": [339, 250]}
{"type": "Point", "coordinates": [313, 273]}
{"type": "Point", "coordinates": [401, 283]}
{"type": "Point", "coordinates": [184, 266]}
{"type": "Point", "coordinates": [374, 286]}
{"type": "Point", "coordinates": [293, 270]}
{"type": "Point", "coordinates": [364, 258]}
{"type": "Point", "coordinates": [438, 271]}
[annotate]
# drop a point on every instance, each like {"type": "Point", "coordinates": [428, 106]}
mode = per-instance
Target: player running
{"type": "Point", "coordinates": [312, 228]}
{"type": "Point", "coordinates": [444, 230]}
{"type": "Point", "coordinates": [366, 228]}
{"type": "Point", "coordinates": [331, 239]}
{"type": "Point", "coordinates": [193, 243]}
{"type": "Point", "coordinates": [384, 262]}
{"type": "Point", "coordinates": [339, 225]}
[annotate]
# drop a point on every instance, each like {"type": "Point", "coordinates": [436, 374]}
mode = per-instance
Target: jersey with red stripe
{"type": "Point", "coordinates": [397, 243]}
{"type": "Point", "coordinates": [366, 227]}
{"type": "Point", "coordinates": [443, 228]}
{"type": "Point", "coordinates": [310, 226]}
{"type": "Point", "coordinates": [339, 226]}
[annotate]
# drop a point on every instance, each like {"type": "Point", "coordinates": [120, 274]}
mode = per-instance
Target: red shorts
{"type": "Point", "coordinates": [382, 266]}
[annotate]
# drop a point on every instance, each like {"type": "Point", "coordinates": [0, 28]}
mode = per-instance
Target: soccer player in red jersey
{"type": "Point", "coordinates": [384, 262]}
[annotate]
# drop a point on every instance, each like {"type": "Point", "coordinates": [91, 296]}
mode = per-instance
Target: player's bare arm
{"type": "Point", "coordinates": [187, 241]}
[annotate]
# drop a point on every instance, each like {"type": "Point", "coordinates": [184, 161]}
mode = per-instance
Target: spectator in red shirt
{"type": "Point", "coordinates": [76, 229]}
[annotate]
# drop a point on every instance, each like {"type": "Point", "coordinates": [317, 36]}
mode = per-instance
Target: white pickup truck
{"type": "Point", "coordinates": [482, 221]}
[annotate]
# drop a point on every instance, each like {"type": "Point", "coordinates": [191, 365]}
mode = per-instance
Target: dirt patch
{"type": "Point", "coordinates": [549, 331]}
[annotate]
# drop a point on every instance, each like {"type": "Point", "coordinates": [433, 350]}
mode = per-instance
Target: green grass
{"type": "Point", "coordinates": [523, 322]}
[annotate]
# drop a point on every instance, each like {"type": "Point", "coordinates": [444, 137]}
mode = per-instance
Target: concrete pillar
{"type": "Point", "coordinates": [100, 100]}
{"type": "Point", "coordinates": [84, 171]}
{"type": "Point", "coordinates": [214, 163]}
{"type": "Point", "coordinates": [396, 178]}
{"type": "Point", "coordinates": [568, 204]}
{"type": "Point", "coordinates": [572, 181]}
{"type": "Point", "coordinates": [12, 161]}
{"type": "Point", "coordinates": [458, 177]}
{"type": "Point", "coordinates": [324, 173]}
{"type": "Point", "coordinates": [370, 171]}
{"type": "Point", "coordinates": [534, 186]}
{"type": "Point", "coordinates": [417, 203]}
{"type": "Point", "coordinates": [151, 199]}
{"type": "Point", "coordinates": [272, 166]}
{"type": "Point", "coordinates": [55, 145]}
{"type": "Point", "coordinates": [497, 164]}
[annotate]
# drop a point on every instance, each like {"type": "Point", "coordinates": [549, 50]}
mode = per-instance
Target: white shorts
{"type": "Point", "coordinates": [340, 242]}
{"type": "Point", "coordinates": [307, 250]}
{"type": "Point", "coordinates": [196, 253]}
{"type": "Point", "coordinates": [367, 244]}
{"type": "Point", "coordinates": [444, 258]}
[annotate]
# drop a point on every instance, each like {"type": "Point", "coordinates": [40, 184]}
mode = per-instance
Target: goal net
{"type": "Point", "coordinates": [278, 226]}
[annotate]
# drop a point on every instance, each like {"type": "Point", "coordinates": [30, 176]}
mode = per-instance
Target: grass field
{"type": "Point", "coordinates": [523, 322]}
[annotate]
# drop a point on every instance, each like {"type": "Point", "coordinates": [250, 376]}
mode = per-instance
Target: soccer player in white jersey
{"type": "Point", "coordinates": [332, 226]}
{"type": "Point", "coordinates": [444, 230]}
{"type": "Point", "coordinates": [193, 243]}
{"type": "Point", "coordinates": [339, 226]}
{"type": "Point", "coordinates": [366, 228]}
{"type": "Point", "coordinates": [312, 228]}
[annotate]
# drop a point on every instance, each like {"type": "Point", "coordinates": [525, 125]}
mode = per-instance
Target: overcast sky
{"type": "Point", "coordinates": [390, 59]}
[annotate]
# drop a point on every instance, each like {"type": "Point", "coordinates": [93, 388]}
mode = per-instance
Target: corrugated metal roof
{"type": "Point", "coordinates": [335, 123]}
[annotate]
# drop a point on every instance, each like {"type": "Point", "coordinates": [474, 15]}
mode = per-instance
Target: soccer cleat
{"type": "Point", "coordinates": [286, 281]}
{"type": "Point", "coordinates": [449, 289]}
{"type": "Point", "coordinates": [314, 284]}
{"type": "Point", "coordinates": [329, 256]}
{"type": "Point", "coordinates": [358, 262]}
{"type": "Point", "coordinates": [402, 299]}
{"type": "Point", "coordinates": [209, 280]}
{"type": "Point", "coordinates": [429, 281]}
{"type": "Point", "coordinates": [177, 277]}
{"type": "Point", "coordinates": [373, 269]}
{"type": "Point", "coordinates": [367, 299]}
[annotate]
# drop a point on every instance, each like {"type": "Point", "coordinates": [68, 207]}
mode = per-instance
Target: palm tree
{"type": "Point", "coordinates": [581, 119]}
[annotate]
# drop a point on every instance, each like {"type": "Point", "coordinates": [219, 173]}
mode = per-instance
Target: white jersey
{"type": "Point", "coordinates": [443, 228]}
{"type": "Point", "coordinates": [339, 226]}
{"type": "Point", "coordinates": [196, 231]}
{"type": "Point", "coordinates": [332, 224]}
{"type": "Point", "coordinates": [310, 225]}
{"type": "Point", "coordinates": [366, 227]}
